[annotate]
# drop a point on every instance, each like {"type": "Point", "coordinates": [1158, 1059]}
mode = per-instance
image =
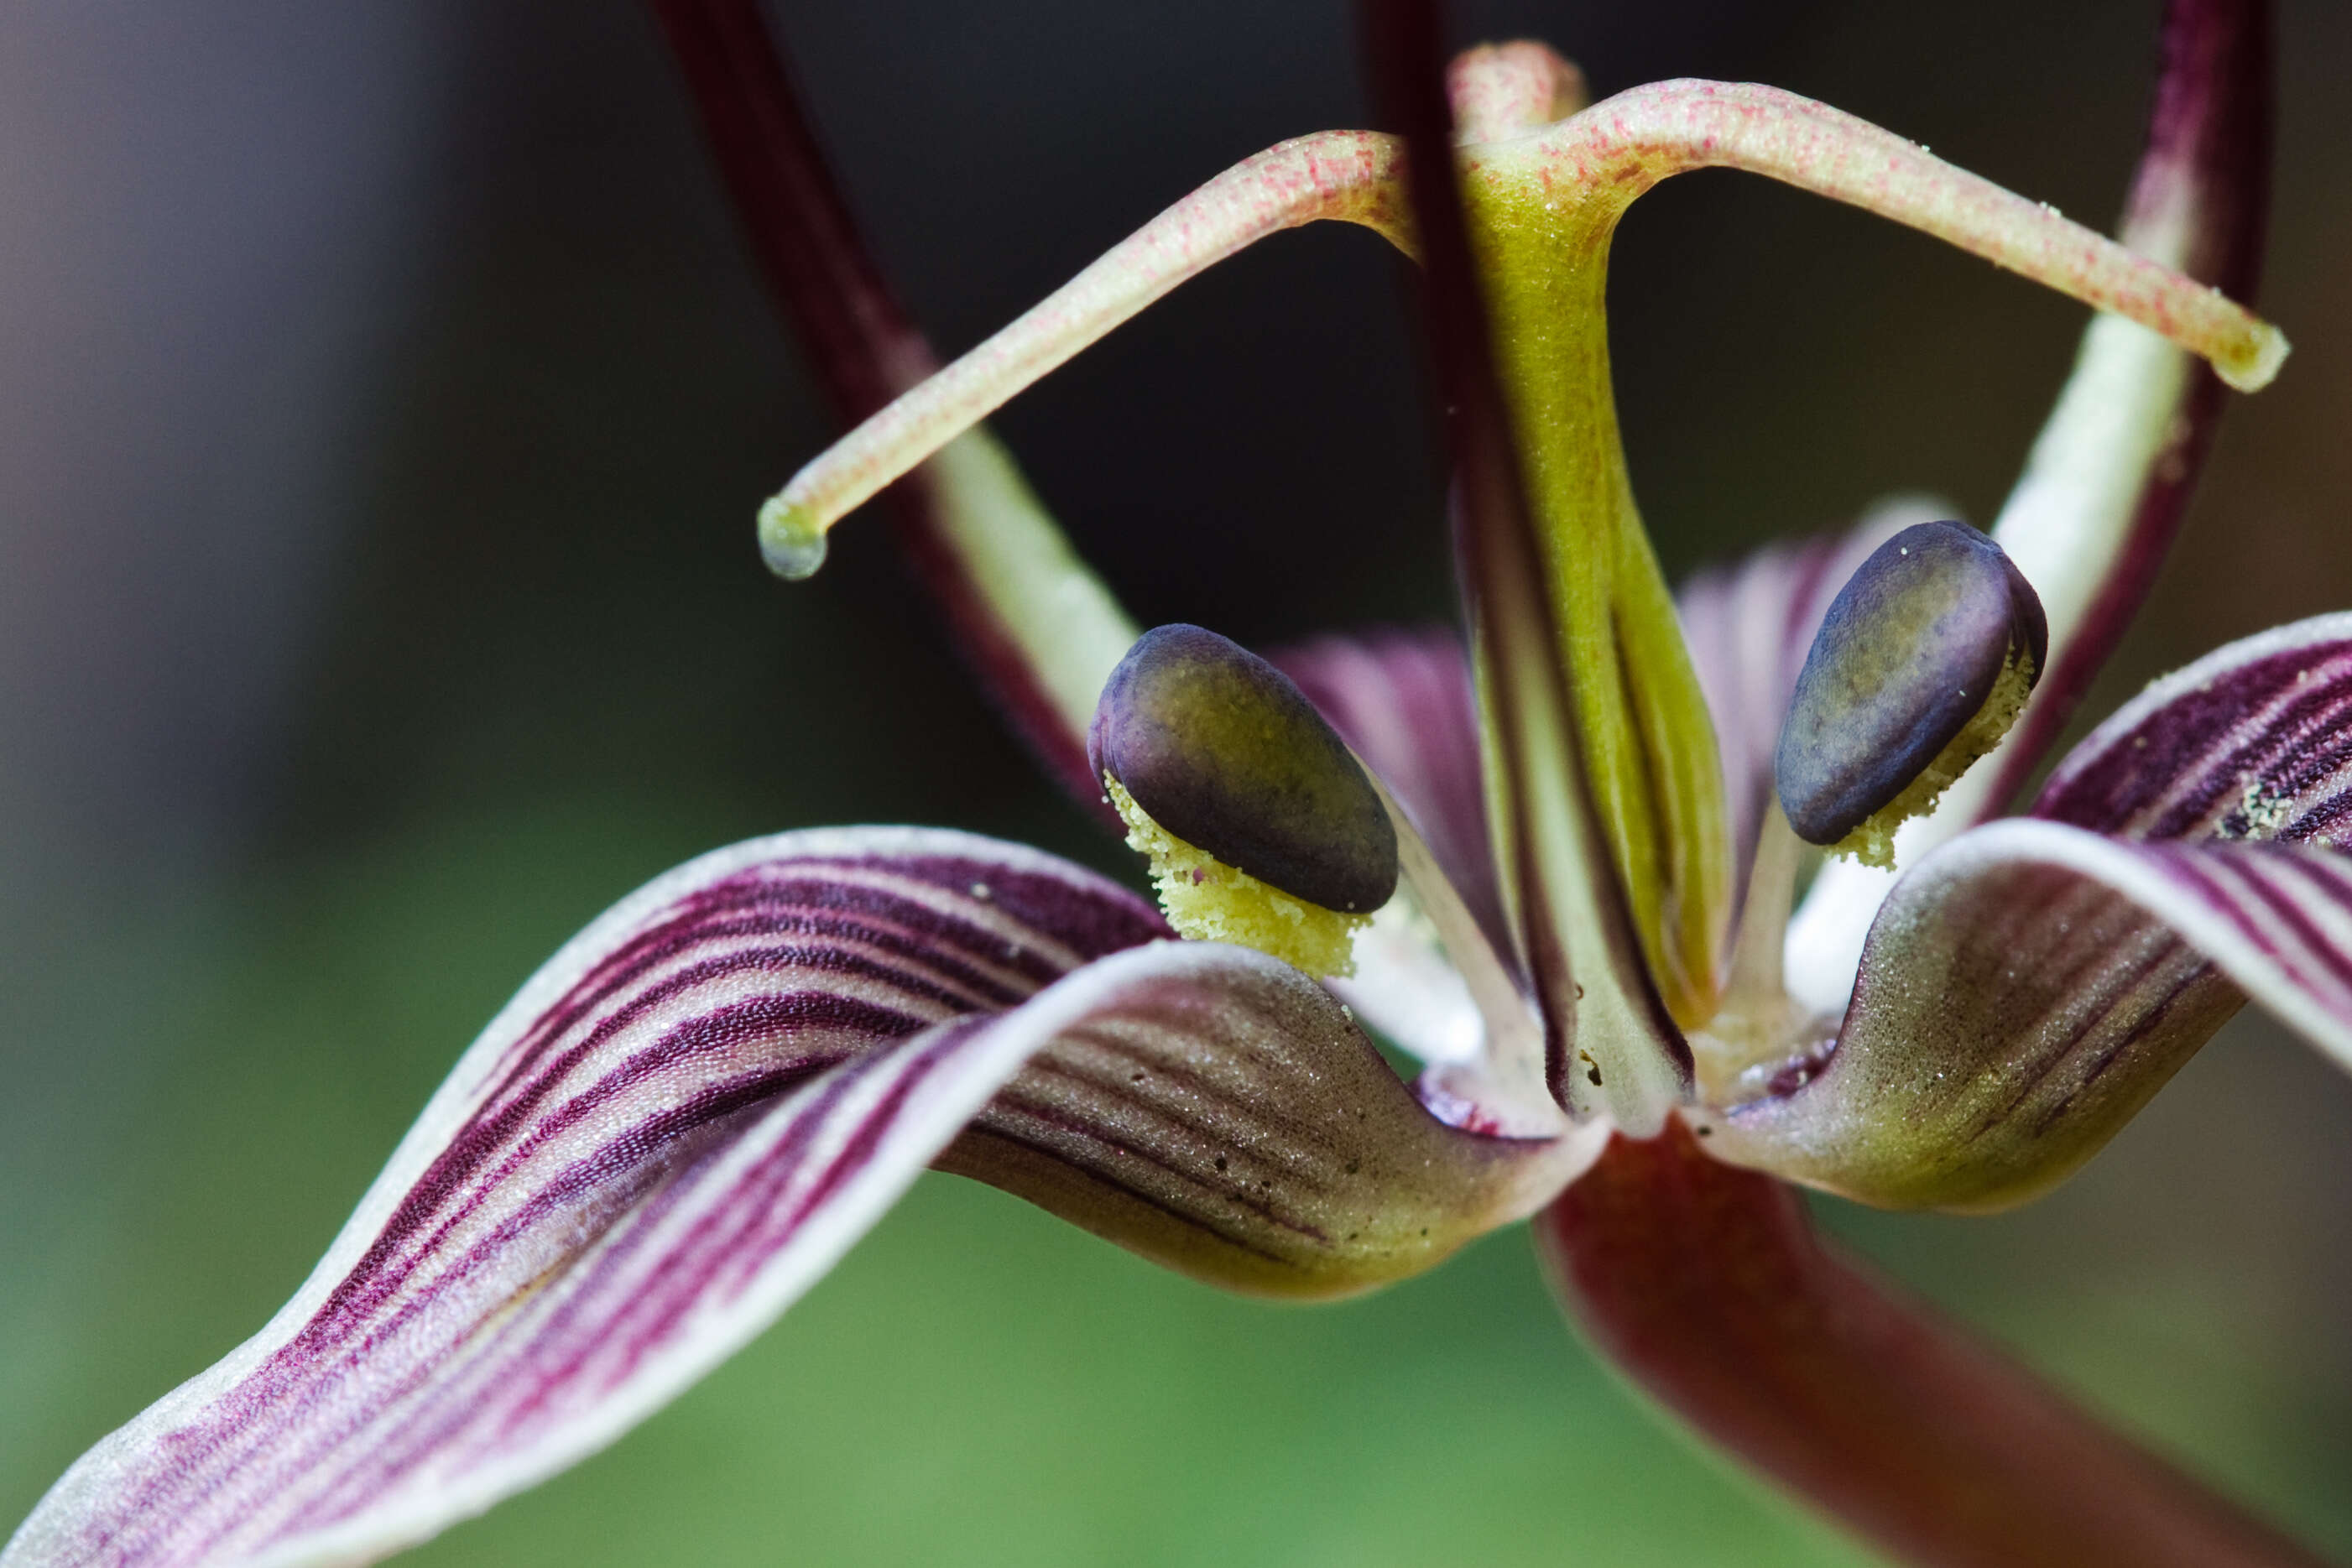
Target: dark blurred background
{"type": "Point", "coordinates": [386, 398]}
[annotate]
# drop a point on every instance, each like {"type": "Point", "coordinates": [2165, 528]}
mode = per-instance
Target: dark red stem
{"type": "Point", "coordinates": [1493, 544]}
{"type": "Point", "coordinates": [1501, 565]}
{"type": "Point", "coordinates": [859, 341]}
{"type": "Point", "coordinates": [1707, 1286]}
{"type": "Point", "coordinates": [2208, 163]}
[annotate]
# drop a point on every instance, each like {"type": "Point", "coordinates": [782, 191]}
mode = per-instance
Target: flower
{"type": "Point", "coordinates": [687, 1114]}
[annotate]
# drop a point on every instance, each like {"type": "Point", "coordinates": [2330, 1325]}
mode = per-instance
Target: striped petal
{"type": "Point", "coordinates": [2027, 988]}
{"type": "Point", "coordinates": [687, 1091]}
{"type": "Point", "coordinates": [1235, 1126]}
{"type": "Point", "coordinates": [2253, 741]}
{"type": "Point", "coordinates": [699, 1105]}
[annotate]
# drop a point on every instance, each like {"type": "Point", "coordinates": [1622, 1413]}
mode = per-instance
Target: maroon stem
{"type": "Point", "coordinates": [1501, 565]}
{"type": "Point", "coordinates": [2207, 163]}
{"type": "Point", "coordinates": [1707, 1286]}
{"type": "Point", "coordinates": [859, 341]}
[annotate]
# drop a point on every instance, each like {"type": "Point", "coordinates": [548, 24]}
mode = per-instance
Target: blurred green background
{"type": "Point", "coordinates": [386, 399]}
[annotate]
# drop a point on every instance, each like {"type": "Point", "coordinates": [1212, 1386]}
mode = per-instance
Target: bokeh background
{"type": "Point", "coordinates": [383, 400]}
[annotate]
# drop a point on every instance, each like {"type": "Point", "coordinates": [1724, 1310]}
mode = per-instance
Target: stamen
{"type": "Point", "coordinates": [1760, 1026]}
{"type": "Point", "coordinates": [1921, 664]}
{"type": "Point", "coordinates": [1512, 1052]}
{"type": "Point", "coordinates": [1253, 811]}
{"type": "Point", "coordinates": [1756, 955]}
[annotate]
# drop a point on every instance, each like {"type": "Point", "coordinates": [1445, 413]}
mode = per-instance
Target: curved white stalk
{"type": "Point", "coordinates": [1619, 148]}
{"type": "Point", "coordinates": [1609, 152]}
{"type": "Point", "coordinates": [1343, 174]}
{"type": "Point", "coordinates": [1577, 174]}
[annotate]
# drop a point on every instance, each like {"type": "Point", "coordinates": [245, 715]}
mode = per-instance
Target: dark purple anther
{"type": "Point", "coordinates": [1222, 751]}
{"type": "Point", "coordinates": [1918, 669]}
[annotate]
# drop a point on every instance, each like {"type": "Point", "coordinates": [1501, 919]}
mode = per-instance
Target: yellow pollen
{"type": "Point", "coordinates": [1209, 901]}
{"type": "Point", "coordinates": [1872, 842]}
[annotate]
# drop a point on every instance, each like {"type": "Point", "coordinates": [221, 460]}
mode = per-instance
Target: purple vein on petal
{"type": "Point", "coordinates": [1260, 1144]}
{"type": "Point", "coordinates": [749, 905]}
{"type": "Point", "coordinates": [2265, 725]}
{"type": "Point", "coordinates": [676, 1035]}
{"type": "Point", "coordinates": [683, 1121]}
{"type": "Point", "coordinates": [1022, 1118]}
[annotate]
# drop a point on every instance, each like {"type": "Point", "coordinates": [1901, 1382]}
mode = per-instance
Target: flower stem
{"type": "Point", "coordinates": [1708, 1288]}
